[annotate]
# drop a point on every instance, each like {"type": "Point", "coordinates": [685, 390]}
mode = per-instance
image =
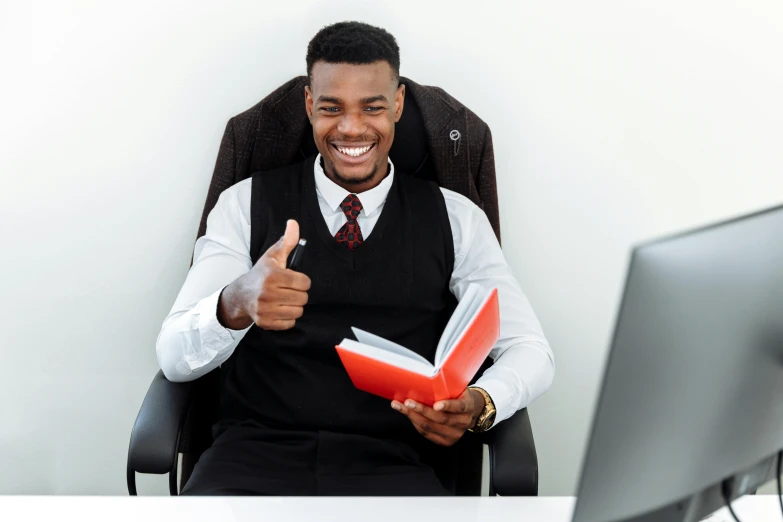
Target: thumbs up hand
{"type": "Point", "coordinates": [269, 295]}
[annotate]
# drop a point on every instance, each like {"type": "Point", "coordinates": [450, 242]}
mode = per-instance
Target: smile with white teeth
{"type": "Point", "coordinates": [354, 151]}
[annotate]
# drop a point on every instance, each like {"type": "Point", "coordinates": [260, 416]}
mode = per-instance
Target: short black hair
{"type": "Point", "coordinates": [356, 43]}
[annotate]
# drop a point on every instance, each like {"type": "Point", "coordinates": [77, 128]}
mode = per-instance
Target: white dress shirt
{"type": "Point", "coordinates": [192, 342]}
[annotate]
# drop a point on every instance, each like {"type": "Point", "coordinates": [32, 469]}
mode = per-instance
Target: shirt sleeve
{"type": "Point", "coordinates": [192, 341]}
{"type": "Point", "coordinates": [523, 363]}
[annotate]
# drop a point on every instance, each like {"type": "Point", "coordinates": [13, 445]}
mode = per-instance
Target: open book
{"type": "Point", "coordinates": [383, 368]}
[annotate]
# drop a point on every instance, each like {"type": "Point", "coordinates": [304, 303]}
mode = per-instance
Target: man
{"type": "Point", "coordinates": [388, 253]}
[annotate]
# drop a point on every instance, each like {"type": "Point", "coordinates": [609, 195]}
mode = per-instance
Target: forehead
{"type": "Point", "coordinates": [347, 81]}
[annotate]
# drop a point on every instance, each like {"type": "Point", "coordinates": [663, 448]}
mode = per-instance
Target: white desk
{"type": "Point", "coordinates": [760, 508]}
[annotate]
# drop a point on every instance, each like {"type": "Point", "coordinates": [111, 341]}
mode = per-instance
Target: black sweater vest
{"type": "Point", "coordinates": [394, 285]}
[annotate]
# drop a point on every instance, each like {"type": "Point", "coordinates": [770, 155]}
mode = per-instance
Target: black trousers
{"type": "Point", "coordinates": [250, 459]}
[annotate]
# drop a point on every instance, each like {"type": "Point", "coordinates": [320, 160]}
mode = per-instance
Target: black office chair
{"type": "Point", "coordinates": [177, 417]}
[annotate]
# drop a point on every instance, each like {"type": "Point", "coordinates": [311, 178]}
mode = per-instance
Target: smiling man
{"type": "Point", "coordinates": [387, 252]}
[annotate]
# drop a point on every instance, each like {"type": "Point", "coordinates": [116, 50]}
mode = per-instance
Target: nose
{"type": "Point", "coordinates": [352, 124]}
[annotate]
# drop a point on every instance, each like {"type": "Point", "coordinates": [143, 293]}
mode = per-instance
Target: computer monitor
{"type": "Point", "coordinates": [692, 392]}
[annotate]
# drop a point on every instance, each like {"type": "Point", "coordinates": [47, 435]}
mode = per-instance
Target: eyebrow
{"type": "Point", "coordinates": [373, 99]}
{"type": "Point", "coordinates": [364, 101]}
{"type": "Point", "coordinates": [329, 99]}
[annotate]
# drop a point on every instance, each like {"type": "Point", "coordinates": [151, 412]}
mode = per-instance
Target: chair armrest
{"type": "Point", "coordinates": [513, 464]}
{"type": "Point", "coordinates": [154, 441]}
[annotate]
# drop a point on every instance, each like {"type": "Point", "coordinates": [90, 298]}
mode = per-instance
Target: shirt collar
{"type": "Point", "coordinates": [334, 194]}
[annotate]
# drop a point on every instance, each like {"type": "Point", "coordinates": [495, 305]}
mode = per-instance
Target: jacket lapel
{"type": "Point", "coordinates": [446, 125]}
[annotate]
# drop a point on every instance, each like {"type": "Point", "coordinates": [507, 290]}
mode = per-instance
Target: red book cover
{"type": "Point", "coordinates": [396, 378]}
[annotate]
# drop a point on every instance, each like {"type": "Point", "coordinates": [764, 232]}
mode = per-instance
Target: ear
{"type": "Point", "coordinates": [399, 102]}
{"type": "Point", "coordinates": [309, 103]}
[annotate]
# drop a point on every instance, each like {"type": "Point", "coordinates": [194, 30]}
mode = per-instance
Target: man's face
{"type": "Point", "coordinates": [353, 109]}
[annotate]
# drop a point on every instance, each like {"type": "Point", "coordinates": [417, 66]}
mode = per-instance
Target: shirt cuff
{"type": "Point", "coordinates": [211, 338]}
{"type": "Point", "coordinates": [502, 396]}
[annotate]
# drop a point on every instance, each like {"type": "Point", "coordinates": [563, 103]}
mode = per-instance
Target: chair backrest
{"type": "Point", "coordinates": [458, 467]}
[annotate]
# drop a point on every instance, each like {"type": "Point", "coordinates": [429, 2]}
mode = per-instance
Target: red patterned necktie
{"type": "Point", "coordinates": [350, 233]}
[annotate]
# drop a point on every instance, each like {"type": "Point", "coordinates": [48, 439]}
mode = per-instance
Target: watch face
{"type": "Point", "coordinates": [488, 421]}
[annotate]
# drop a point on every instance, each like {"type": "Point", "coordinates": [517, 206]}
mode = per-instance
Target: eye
{"type": "Point", "coordinates": [374, 109]}
{"type": "Point", "coordinates": [331, 110]}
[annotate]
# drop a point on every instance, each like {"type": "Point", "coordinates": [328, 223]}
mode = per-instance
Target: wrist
{"type": "Point", "coordinates": [230, 312]}
{"type": "Point", "coordinates": [486, 417]}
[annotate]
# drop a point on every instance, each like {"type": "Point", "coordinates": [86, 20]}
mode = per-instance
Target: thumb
{"type": "Point", "coordinates": [280, 251]}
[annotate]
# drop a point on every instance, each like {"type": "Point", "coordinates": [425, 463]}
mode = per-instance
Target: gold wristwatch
{"type": "Point", "coordinates": [487, 417]}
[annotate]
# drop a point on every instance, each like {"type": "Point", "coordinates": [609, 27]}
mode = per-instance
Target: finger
{"type": "Point", "coordinates": [286, 296]}
{"type": "Point", "coordinates": [280, 251]}
{"type": "Point", "coordinates": [427, 427]}
{"type": "Point", "coordinates": [441, 435]}
{"type": "Point", "coordinates": [426, 411]}
{"type": "Point", "coordinates": [457, 420]}
{"type": "Point", "coordinates": [278, 324]}
{"type": "Point", "coordinates": [428, 418]}
{"type": "Point", "coordinates": [293, 280]}
{"type": "Point", "coordinates": [282, 313]}
{"type": "Point", "coordinates": [453, 406]}
{"type": "Point", "coordinates": [424, 429]}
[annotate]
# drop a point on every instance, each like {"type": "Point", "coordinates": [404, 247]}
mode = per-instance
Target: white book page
{"type": "Point", "coordinates": [391, 357]}
{"type": "Point", "coordinates": [479, 302]}
{"type": "Point", "coordinates": [385, 344]}
{"type": "Point", "coordinates": [462, 314]}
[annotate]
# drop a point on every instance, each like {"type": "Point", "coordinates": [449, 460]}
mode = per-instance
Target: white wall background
{"type": "Point", "coordinates": [613, 122]}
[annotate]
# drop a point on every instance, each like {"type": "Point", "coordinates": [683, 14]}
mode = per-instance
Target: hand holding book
{"type": "Point", "coordinates": [446, 422]}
